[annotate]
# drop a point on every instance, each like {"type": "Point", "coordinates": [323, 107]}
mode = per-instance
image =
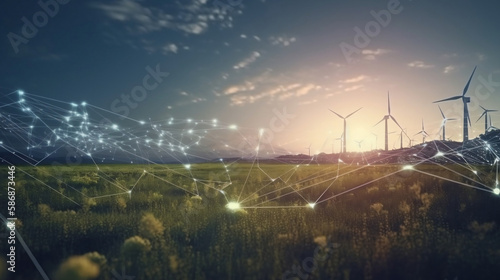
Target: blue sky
{"type": "Point", "coordinates": [243, 61]}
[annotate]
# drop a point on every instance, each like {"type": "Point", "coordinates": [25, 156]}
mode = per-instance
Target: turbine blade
{"type": "Point", "coordinates": [380, 121]}
{"type": "Point", "coordinates": [442, 114]}
{"type": "Point", "coordinates": [484, 113]}
{"type": "Point", "coordinates": [353, 113]}
{"type": "Point", "coordinates": [396, 122]}
{"type": "Point", "coordinates": [468, 83]}
{"type": "Point", "coordinates": [336, 114]}
{"type": "Point", "coordinates": [448, 99]}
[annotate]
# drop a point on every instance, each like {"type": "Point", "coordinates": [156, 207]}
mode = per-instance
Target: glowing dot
{"type": "Point", "coordinates": [115, 127]}
{"type": "Point", "coordinates": [439, 154]}
{"type": "Point", "coordinates": [233, 126]}
{"type": "Point", "coordinates": [233, 206]}
{"type": "Point", "coordinates": [474, 171]}
{"type": "Point", "coordinates": [340, 161]}
{"type": "Point", "coordinates": [74, 104]}
{"type": "Point", "coordinates": [187, 166]}
{"type": "Point", "coordinates": [459, 154]}
{"type": "Point", "coordinates": [189, 120]}
{"type": "Point", "coordinates": [142, 122]}
{"type": "Point", "coordinates": [129, 191]}
{"type": "Point", "coordinates": [261, 131]}
{"type": "Point", "coordinates": [20, 92]}
{"type": "Point", "coordinates": [222, 192]}
{"type": "Point", "coordinates": [408, 167]}
{"type": "Point", "coordinates": [84, 103]}
{"type": "Point", "coordinates": [496, 191]}
{"type": "Point", "coordinates": [311, 205]}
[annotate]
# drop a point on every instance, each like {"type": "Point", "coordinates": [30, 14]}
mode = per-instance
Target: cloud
{"type": "Point", "coordinates": [247, 61]}
{"type": "Point", "coordinates": [420, 64]}
{"type": "Point", "coordinates": [248, 92]}
{"type": "Point", "coordinates": [170, 48]}
{"type": "Point", "coordinates": [373, 54]}
{"type": "Point", "coordinates": [357, 79]}
{"type": "Point", "coordinates": [450, 68]}
{"type": "Point", "coordinates": [353, 88]}
{"type": "Point", "coordinates": [284, 41]}
{"type": "Point", "coordinates": [192, 17]}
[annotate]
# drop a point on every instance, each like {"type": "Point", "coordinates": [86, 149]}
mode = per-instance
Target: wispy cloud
{"type": "Point", "coordinates": [192, 17]}
{"type": "Point", "coordinates": [356, 79]}
{"type": "Point", "coordinates": [420, 64]}
{"type": "Point", "coordinates": [373, 54]}
{"type": "Point", "coordinates": [247, 61]}
{"type": "Point", "coordinates": [450, 68]}
{"type": "Point", "coordinates": [353, 88]}
{"type": "Point", "coordinates": [251, 92]}
{"type": "Point", "coordinates": [283, 40]}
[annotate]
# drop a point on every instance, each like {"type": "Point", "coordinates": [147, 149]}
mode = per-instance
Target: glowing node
{"type": "Point", "coordinates": [187, 166]}
{"type": "Point", "coordinates": [84, 103]}
{"type": "Point", "coordinates": [142, 122]}
{"type": "Point", "coordinates": [74, 104]}
{"type": "Point", "coordinates": [233, 126]}
{"type": "Point", "coordinates": [20, 92]}
{"type": "Point", "coordinates": [496, 191]}
{"type": "Point", "coordinates": [474, 171]}
{"type": "Point", "coordinates": [408, 167]}
{"type": "Point", "coordinates": [439, 154]}
{"type": "Point", "coordinates": [222, 192]}
{"type": "Point", "coordinates": [233, 206]}
{"type": "Point", "coordinates": [129, 191]}
{"type": "Point", "coordinates": [114, 126]}
{"type": "Point", "coordinates": [311, 205]}
{"type": "Point", "coordinates": [261, 131]}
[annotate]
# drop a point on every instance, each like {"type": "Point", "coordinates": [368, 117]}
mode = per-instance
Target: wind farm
{"type": "Point", "coordinates": [249, 140]}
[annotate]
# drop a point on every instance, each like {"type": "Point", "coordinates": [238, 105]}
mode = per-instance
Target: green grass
{"type": "Point", "coordinates": [406, 226]}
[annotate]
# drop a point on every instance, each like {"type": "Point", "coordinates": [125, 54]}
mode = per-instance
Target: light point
{"type": "Point", "coordinates": [20, 92]}
{"type": "Point", "coordinates": [129, 191]}
{"type": "Point", "coordinates": [311, 205]}
{"type": "Point", "coordinates": [408, 167]}
{"type": "Point", "coordinates": [439, 154]}
{"type": "Point", "coordinates": [233, 206]}
{"type": "Point", "coordinates": [496, 191]}
{"type": "Point", "coordinates": [233, 126]}
{"type": "Point", "coordinates": [187, 166]}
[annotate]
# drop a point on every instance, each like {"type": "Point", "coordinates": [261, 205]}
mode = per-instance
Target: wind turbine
{"type": "Point", "coordinates": [491, 126]}
{"type": "Point", "coordinates": [359, 143]}
{"type": "Point", "coordinates": [341, 142]}
{"type": "Point", "coordinates": [423, 132]}
{"type": "Point", "coordinates": [386, 118]}
{"type": "Point", "coordinates": [443, 123]}
{"type": "Point", "coordinates": [465, 100]}
{"type": "Point", "coordinates": [376, 140]}
{"type": "Point", "coordinates": [485, 114]}
{"type": "Point", "coordinates": [345, 143]}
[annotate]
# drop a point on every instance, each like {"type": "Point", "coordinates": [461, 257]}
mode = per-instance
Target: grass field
{"type": "Point", "coordinates": [404, 226]}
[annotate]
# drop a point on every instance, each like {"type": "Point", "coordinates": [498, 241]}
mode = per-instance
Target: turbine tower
{"type": "Point", "coordinates": [485, 114]}
{"type": "Point", "coordinates": [465, 100]}
{"type": "Point", "coordinates": [386, 118]}
{"type": "Point", "coordinates": [443, 123]}
{"type": "Point", "coordinates": [309, 149]}
{"type": "Point", "coordinates": [344, 133]}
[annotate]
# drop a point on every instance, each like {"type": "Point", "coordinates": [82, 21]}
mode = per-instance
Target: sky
{"type": "Point", "coordinates": [279, 66]}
